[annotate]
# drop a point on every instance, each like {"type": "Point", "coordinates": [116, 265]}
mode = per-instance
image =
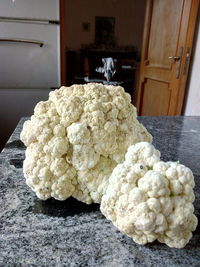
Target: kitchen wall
{"type": "Point", "coordinates": [129, 18]}
{"type": "Point", "coordinates": [192, 106]}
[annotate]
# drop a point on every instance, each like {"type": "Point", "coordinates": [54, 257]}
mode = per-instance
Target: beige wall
{"type": "Point", "coordinates": [129, 19]}
{"type": "Point", "coordinates": [193, 99]}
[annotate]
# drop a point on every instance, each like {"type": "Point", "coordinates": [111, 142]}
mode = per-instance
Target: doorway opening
{"type": "Point", "coordinates": [104, 34]}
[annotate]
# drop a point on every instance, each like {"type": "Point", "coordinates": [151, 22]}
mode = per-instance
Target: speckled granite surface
{"type": "Point", "coordinates": [70, 233]}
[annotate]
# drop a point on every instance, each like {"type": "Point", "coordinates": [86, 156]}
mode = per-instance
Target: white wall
{"type": "Point", "coordinates": [193, 99]}
{"type": "Point", "coordinates": [129, 20]}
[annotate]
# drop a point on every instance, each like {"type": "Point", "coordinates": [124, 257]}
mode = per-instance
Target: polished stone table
{"type": "Point", "coordinates": [70, 233]}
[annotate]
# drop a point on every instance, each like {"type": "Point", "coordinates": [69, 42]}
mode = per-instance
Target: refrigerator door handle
{"type": "Point", "coordinates": [27, 41]}
{"type": "Point", "coordinates": [29, 20]}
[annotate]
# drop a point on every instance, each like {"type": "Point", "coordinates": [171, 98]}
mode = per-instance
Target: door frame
{"type": "Point", "coordinates": [63, 71]}
{"type": "Point", "coordinates": [189, 45]}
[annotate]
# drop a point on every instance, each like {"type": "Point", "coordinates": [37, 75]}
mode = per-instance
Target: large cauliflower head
{"type": "Point", "coordinates": [149, 199]}
{"type": "Point", "coordinates": [76, 138]}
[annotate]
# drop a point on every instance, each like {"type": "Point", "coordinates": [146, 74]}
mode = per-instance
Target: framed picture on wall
{"type": "Point", "coordinates": [104, 30]}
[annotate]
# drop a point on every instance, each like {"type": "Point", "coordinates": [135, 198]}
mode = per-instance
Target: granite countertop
{"type": "Point", "coordinates": [70, 233]}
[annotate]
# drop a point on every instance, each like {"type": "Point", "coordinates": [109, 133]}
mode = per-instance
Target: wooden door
{"type": "Point", "coordinates": [167, 42]}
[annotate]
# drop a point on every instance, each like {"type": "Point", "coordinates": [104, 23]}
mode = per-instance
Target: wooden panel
{"type": "Point", "coordinates": [156, 98]}
{"type": "Point", "coordinates": [165, 25]}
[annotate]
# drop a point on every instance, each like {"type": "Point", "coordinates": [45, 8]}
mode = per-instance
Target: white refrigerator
{"type": "Point", "coordinates": [29, 58]}
{"type": "Point", "coordinates": [29, 44]}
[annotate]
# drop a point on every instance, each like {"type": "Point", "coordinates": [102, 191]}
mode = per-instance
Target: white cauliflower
{"type": "Point", "coordinates": [149, 199]}
{"type": "Point", "coordinates": [76, 138]}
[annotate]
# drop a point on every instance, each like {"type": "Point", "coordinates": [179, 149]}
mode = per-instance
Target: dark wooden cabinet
{"type": "Point", "coordinates": [125, 67]}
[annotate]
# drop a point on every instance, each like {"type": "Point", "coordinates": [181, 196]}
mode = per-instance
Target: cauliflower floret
{"type": "Point", "coordinates": [101, 172]}
{"type": "Point", "coordinates": [154, 184]}
{"type": "Point", "coordinates": [77, 137]}
{"type": "Point", "coordinates": [142, 153]}
{"type": "Point", "coordinates": [78, 133]}
{"type": "Point", "coordinates": [48, 176]}
{"type": "Point", "coordinates": [149, 199]}
{"type": "Point", "coordinates": [57, 146]}
{"type": "Point", "coordinates": [84, 157]}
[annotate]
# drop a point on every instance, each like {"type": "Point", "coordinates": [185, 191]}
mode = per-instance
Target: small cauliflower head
{"type": "Point", "coordinates": [76, 138]}
{"type": "Point", "coordinates": [149, 199]}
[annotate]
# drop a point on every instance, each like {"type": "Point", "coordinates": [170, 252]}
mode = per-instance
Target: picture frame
{"type": "Point", "coordinates": [104, 30]}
